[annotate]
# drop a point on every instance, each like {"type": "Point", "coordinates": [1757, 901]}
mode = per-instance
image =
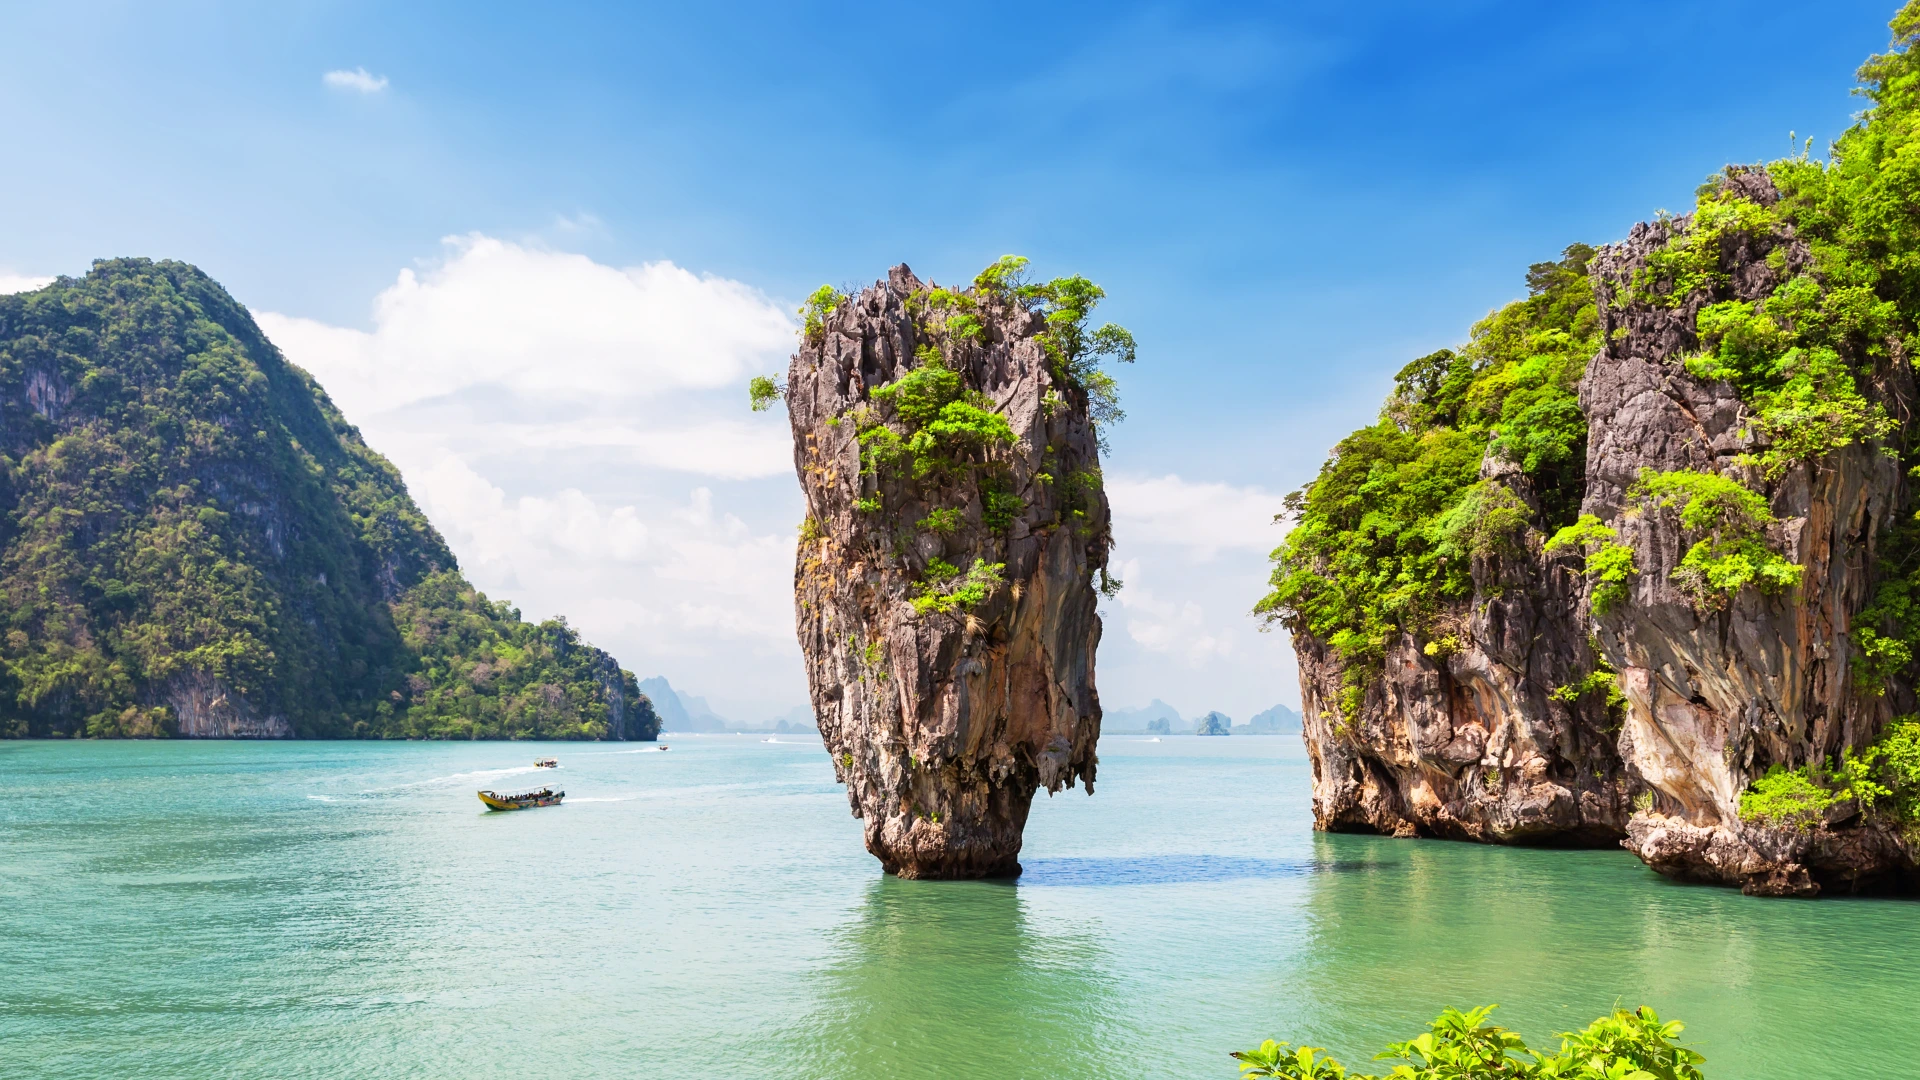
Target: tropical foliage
{"type": "Point", "coordinates": [1857, 213]}
{"type": "Point", "coordinates": [179, 503]}
{"type": "Point", "coordinates": [1624, 1045]}
{"type": "Point", "coordinates": [1884, 777]}
{"type": "Point", "coordinates": [1731, 520]}
{"type": "Point", "coordinates": [1609, 563]}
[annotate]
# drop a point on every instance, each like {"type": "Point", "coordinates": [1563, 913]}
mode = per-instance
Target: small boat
{"type": "Point", "coordinates": [543, 797]}
{"type": "Point", "coordinates": [546, 763]}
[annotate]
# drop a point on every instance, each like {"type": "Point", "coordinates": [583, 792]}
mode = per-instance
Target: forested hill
{"type": "Point", "coordinates": [194, 541]}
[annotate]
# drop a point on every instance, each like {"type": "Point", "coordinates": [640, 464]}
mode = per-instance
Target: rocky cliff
{"type": "Point", "coordinates": [1680, 670]}
{"type": "Point", "coordinates": [945, 597]}
{"type": "Point", "coordinates": [1718, 692]}
{"type": "Point", "coordinates": [1470, 742]}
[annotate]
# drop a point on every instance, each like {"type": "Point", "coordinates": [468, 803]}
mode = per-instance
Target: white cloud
{"type": "Point", "coordinates": [18, 283]}
{"type": "Point", "coordinates": [729, 449]}
{"type": "Point", "coordinates": [547, 323]}
{"type": "Point", "coordinates": [579, 433]}
{"type": "Point", "coordinates": [358, 80]}
{"type": "Point", "coordinates": [588, 554]}
{"type": "Point", "coordinates": [1200, 518]}
{"type": "Point", "coordinates": [1175, 628]}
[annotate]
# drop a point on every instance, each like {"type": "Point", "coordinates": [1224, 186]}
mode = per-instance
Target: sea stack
{"type": "Point", "coordinates": [945, 584]}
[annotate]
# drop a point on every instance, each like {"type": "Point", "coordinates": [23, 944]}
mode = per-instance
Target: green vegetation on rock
{"type": "Point", "coordinates": [1855, 211]}
{"type": "Point", "coordinates": [762, 392]}
{"type": "Point", "coordinates": [1609, 563]}
{"type": "Point", "coordinates": [1625, 1045]}
{"type": "Point", "coordinates": [186, 522]}
{"type": "Point", "coordinates": [1884, 777]}
{"type": "Point", "coordinates": [1388, 531]}
{"type": "Point", "coordinates": [482, 672]}
{"type": "Point", "coordinates": [948, 590]}
{"type": "Point", "coordinates": [1731, 519]}
{"type": "Point", "coordinates": [928, 427]}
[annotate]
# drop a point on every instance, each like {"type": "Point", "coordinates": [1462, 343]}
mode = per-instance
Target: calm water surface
{"type": "Point", "coordinates": [201, 910]}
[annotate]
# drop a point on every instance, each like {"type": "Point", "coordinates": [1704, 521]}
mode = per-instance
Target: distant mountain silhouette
{"type": "Point", "coordinates": [1142, 719]}
{"type": "Point", "coordinates": [1279, 720]}
{"type": "Point", "coordinates": [682, 712]}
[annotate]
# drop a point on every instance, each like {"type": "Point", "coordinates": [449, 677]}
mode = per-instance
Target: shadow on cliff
{"type": "Point", "coordinates": [1181, 869]}
{"type": "Point", "coordinates": [957, 979]}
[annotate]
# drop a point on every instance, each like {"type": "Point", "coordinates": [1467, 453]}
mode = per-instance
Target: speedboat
{"type": "Point", "coordinates": [546, 763]}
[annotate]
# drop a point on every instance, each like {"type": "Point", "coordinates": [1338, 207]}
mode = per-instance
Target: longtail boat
{"type": "Point", "coordinates": [543, 797]}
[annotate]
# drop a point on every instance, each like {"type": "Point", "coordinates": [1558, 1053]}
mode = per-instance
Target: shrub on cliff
{"type": "Point", "coordinates": [178, 503]}
{"type": "Point", "coordinates": [1881, 779]}
{"type": "Point", "coordinates": [1625, 1045]}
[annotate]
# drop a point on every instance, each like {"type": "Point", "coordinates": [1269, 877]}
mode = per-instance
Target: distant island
{"type": "Point", "coordinates": [195, 542]}
{"type": "Point", "coordinates": [1159, 718]}
{"type": "Point", "coordinates": [683, 712]}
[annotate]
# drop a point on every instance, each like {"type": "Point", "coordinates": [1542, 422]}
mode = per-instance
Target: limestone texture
{"type": "Point", "coordinates": [943, 720]}
{"type": "Point", "coordinates": [1472, 744]}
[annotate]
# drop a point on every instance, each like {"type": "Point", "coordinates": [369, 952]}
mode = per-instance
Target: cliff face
{"type": "Point", "coordinates": [1716, 697]}
{"type": "Point", "coordinates": [944, 591]}
{"type": "Point", "coordinates": [1502, 734]}
{"type": "Point", "coordinates": [1470, 743]}
{"type": "Point", "coordinates": [193, 541]}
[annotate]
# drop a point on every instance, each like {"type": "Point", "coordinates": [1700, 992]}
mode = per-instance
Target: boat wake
{"type": "Point", "coordinates": [458, 778]}
{"type": "Point", "coordinates": [478, 774]}
{"type": "Point", "coordinates": [606, 798]}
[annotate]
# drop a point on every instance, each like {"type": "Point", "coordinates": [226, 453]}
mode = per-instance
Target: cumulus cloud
{"type": "Point", "coordinates": [579, 433]}
{"type": "Point", "coordinates": [1177, 628]}
{"type": "Point", "coordinates": [1203, 518]}
{"type": "Point", "coordinates": [518, 335]}
{"type": "Point", "coordinates": [620, 567]}
{"type": "Point", "coordinates": [17, 283]}
{"type": "Point", "coordinates": [533, 320]}
{"type": "Point", "coordinates": [359, 80]}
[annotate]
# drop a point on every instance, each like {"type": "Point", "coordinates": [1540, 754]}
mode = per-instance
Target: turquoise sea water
{"type": "Point", "coordinates": [346, 910]}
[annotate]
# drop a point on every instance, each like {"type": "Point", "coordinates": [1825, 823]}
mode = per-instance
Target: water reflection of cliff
{"type": "Point", "coordinates": [953, 980]}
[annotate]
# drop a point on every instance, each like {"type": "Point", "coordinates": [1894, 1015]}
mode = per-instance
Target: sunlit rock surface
{"type": "Point", "coordinates": [943, 724]}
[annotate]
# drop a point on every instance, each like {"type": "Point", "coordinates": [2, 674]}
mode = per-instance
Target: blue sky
{"type": "Point", "coordinates": [1285, 202]}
